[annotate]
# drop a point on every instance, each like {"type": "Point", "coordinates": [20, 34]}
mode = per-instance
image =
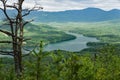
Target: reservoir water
{"type": "Point", "coordinates": [72, 45]}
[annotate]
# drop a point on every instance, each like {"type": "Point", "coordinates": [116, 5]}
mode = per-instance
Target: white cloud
{"type": "Point", "coordinates": [61, 5]}
{"type": "Point", "coordinates": [58, 5]}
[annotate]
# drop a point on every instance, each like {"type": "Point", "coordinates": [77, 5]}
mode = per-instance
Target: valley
{"type": "Point", "coordinates": [107, 32]}
{"type": "Point", "coordinates": [39, 32]}
{"type": "Point", "coordinates": [65, 45]}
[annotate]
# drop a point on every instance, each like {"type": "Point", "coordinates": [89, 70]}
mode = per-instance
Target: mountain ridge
{"type": "Point", "coordinates": [84, 15]}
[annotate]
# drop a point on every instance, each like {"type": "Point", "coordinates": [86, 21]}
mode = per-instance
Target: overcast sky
{"type": "Point", "coordinates": [61, 5]}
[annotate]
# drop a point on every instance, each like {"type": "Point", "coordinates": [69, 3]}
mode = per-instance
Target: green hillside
{"type": "Point", "coordinates": [40, 32]}
{"type": "Point", "coordinates": [107, 31]}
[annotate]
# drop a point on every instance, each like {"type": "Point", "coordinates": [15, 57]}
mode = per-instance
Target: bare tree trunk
{"type": "Point", "coordinates": [16, 32]}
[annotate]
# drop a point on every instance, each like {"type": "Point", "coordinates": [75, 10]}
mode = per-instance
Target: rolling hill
{"type": "Point", "coordinates": [38, 32]}
{"type": "Point", "coordinates": [85, 15]}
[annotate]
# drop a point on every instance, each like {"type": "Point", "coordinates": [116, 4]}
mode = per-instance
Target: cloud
{"type": "Point", "coordinates": [61, 5]}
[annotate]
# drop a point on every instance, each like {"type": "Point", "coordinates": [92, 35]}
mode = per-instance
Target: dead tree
{"type": "Point", "coordinates": [16, 32]}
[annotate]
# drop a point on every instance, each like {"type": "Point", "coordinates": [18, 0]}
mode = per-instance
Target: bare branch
{"type": "Point", "coordinates": [1, 9]}
{"type": "Point", "coordinates": [8, 33]}
{"type": "Point", "coordinates": [16, 32]}
{"type": "Point", "coordinates": [5, 41]}
{"type": "Point", "coordinates": [25, 55]}
{"type": "Point", "coordinates": [6, 53]}
{"type": "Point", "coordinates": [4, 9]}
{"type": "Point", "coordinates": [8, 42]}
{"type": "Point", "coordinates": [30, 51]}
{"type": "Point", "coordinates": [27, 22]}
{"type": "Point", "coordinates": [27, 39]}
{"type": "Point", "coordinates": [27, 11]}
{"type": "Point", "coordinates": [12, 6]}
{"type": "Point", "coordinates": [26, 49]}
{"type": "Point", "coordinates": [4, 1]}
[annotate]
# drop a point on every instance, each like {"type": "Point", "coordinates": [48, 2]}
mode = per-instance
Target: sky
{"type": "Point", "coordinates": [61, 5]}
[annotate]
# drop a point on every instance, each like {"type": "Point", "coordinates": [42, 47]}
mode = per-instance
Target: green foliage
{"type": "Point", "coordinates": [38, 32]}
{"type": "Point", "coordinates": [61, 65]}
{"type": "Point", "coordinates": [106, 31]}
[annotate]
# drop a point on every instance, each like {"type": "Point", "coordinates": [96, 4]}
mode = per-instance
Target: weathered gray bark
{"type": "Point", "coordinates": [16, 32]}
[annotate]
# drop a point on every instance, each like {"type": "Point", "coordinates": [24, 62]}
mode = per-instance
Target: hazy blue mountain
{"type": "Point", "coordinates": [85, 15]}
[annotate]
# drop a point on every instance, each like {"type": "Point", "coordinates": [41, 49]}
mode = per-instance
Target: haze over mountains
{"type": "Point", "coordinates": [85, 15]}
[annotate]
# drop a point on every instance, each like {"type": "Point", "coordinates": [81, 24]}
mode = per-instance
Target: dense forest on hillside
{"type": "Point", "coordinates": [99, 62]}
{"type": "Point", "coordinates": [107, 31]}
{"type": "Point", "coordinates": [62, 65]}
{"type": "Point", "coordinates": [39, 32]}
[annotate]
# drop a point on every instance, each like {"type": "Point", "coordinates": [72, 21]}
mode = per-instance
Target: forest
{"type": "Point", "coordinates": [62, 65]}
{"type": "Point", "coordinates": [22, 43]}
{"type": "Point", "coordinates": [98, 62]}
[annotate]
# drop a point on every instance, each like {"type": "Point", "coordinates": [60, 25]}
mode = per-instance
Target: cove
{"type": "Point", "coordinates": [71, 45]}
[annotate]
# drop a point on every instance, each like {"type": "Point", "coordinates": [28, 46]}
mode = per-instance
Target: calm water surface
{"type": "Point", "coordinates": [72, 45]}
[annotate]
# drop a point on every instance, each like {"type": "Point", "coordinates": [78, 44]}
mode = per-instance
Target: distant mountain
{"type": "Point", "coordinates": [85, 15]}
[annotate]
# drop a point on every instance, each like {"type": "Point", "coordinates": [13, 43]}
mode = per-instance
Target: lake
{"type": "Point", "coordinates": [72, 45]}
